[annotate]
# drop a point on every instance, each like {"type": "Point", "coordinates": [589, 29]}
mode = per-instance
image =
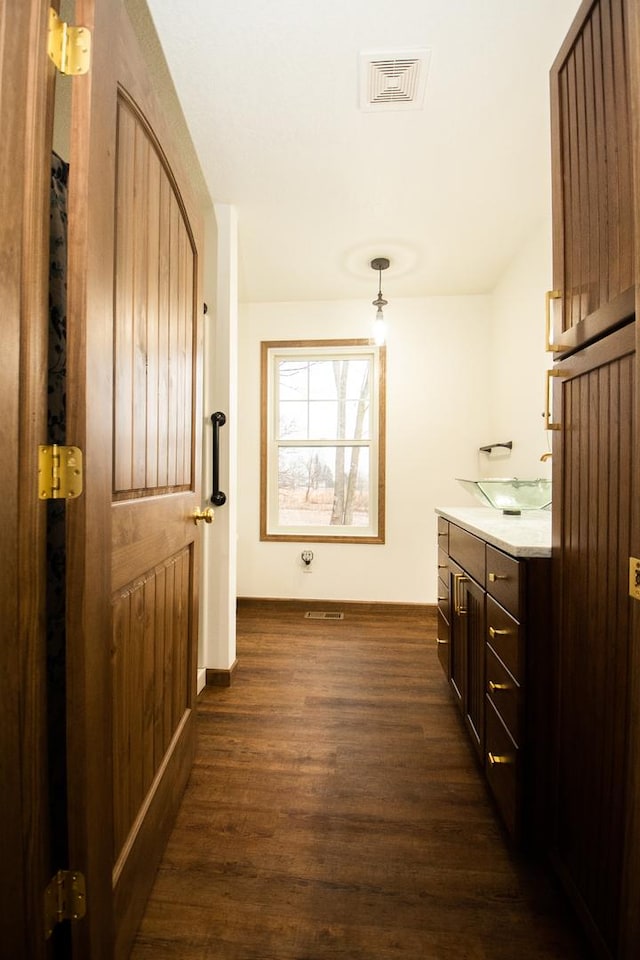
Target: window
{"type": "Point", "coordinates": [322, 457]}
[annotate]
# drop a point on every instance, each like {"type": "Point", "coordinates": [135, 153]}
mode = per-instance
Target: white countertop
{"type": "Point", "coordinates": [527, 535]}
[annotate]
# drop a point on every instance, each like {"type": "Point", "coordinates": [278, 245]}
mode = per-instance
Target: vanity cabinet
{"type": "Point", "coordinates": [497, 616]}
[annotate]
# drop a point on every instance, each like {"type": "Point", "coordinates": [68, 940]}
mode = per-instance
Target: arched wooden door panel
{"type": "Point", "coordinates": [134, 390]}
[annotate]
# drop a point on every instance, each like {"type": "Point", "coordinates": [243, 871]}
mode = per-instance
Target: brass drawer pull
{"type": "Point", "coordinates": [441, 643]}
{"type": "Point", "coordinates": [443, 598]}
{"type": "Point", "coordinates": [499, 686]}
{"type": "Point", "coordinates": [496, 758]}
{"type": "Point", "coordinates": [493, 633]}
{"type": "Point", "coordinates": [549, 296]}
{"type": "Point", "coordinates": [548, 424]}
{"type": "Point", "coordinates": [497, 576]}
{"type": "Point", "coordinates": [458, 602]}
{"type": "Point", "coordinates": [442, 566]}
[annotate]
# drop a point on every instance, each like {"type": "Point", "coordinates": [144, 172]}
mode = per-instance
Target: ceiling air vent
{"type": "Point", "coordinates": [393, 81]}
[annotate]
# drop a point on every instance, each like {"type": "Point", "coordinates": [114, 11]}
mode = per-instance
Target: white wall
{"type": "Point", "coordinates": [518, 361]}
{"type": "Point", "coordinates": [438, 414]}
{"type": "Point", "coordinates": [217, 637]}
{"type": "Point", "coordinates": [462, 372]}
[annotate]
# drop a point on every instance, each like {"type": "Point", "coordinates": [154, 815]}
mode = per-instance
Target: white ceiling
{"type": "Point", "coordinates": [270, 93]}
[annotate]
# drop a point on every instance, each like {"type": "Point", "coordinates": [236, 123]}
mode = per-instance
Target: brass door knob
{"type": "Point", "coordinates": [206, 515]}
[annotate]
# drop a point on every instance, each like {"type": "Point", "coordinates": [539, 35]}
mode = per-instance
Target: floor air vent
{"type": "Point", "coordinates": [323, 615]}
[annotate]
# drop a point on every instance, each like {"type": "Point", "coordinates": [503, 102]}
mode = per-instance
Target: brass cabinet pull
{"type": "Point", "coordinates": [498, 686]}
{"type": "Point", "coordinates": [549, 296]}
{"type": "Point", "coordinates": [497, 633]}
{"type": "Point", "coordinates": [442, 566]}
{"type": "Point", "coordinates": [458, 604]}
{"type": "Point", "coordinates": [206, 515]}
{"type": "Point", "coordinates": [497, 576]}
{"type": "Point", "coordinates": [444, 599]}
{"type": "Point", "coordinates": [548, 425]}
{"type": "Point", "coordinates": [441, 643]}
{"type": "Point", "coordinates": [496, 758]}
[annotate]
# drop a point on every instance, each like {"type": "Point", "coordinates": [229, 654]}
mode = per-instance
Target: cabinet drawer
{"type": "Point", "coordinates": [442, 642]}
{"type": "Point", "coordinates": [503, 579]}
{"type": "Point", "coordinates": [468, 551]}
{"type": "Point", "coordinates": [443, 598]}
{"type": "Point", "coordinates": [502, 763]}
{"type": "Point", "coordinates": [443, 534]}
{"type": "Point", "coordinates": [504, 693]}
{"type": "Point", "coordinates": [503, 634]}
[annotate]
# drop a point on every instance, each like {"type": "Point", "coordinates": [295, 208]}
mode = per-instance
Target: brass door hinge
{"type": "Point", "coordinates": [634, 578]}
{"type": "Point", "coordinates": [64, 899]}
{"type": "Point", "coordinates": [59, 472]}
{"type": "Point", "coordinates": [68, 47]}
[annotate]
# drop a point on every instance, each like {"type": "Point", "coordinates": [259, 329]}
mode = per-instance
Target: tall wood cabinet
{"type": "Point", "coordinates": [593, 836]}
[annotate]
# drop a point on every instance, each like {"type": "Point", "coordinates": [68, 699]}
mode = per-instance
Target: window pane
{"type": "Point", "coordinates": [293, 420]}
{"type": "Point", "coordinates": [338, 421]}
{"type": "Point", "coordinates": [358, 378]}
{"type": "Point", "coordinates": [323, 486]}
{"type": "Point", "coordinates": [293, 379]}
{"type": "Point", "coordinates": [323, 420]}
{"type": "Point", "coordinates": [322, 380]}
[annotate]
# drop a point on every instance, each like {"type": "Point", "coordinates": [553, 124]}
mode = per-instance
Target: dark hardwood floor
{"type": "Point", "coordinates": [335, 810]}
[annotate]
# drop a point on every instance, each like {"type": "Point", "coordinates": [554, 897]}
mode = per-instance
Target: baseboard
{"type": "Point", "coordinates": [220, 678]}
{"type": "Point", "coordinates": [201, 680]}
{"type": "Point", "coordinates": [426, 610]}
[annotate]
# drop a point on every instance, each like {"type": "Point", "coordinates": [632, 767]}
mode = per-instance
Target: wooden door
{"type": "Point", "coordinates": [593, 210]}
{"type": "Point", "coordinates": [594, 453]}
{"type": "Point", "coordinates": [26, 84]}
{"type": "Point", "coordinates": [630, 925]}
{"type": "Point", "coordinates": [133, 394]}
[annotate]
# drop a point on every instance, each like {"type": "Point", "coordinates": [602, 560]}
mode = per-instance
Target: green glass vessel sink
{"type": "Point", "coordinates": [509, 494]}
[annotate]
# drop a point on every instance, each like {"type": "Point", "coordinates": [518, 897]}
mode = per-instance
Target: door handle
{"type": "Point", "coordinates": [206, 515]}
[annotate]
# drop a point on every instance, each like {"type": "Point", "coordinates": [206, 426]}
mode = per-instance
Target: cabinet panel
{"type": "Point", "coordinates": [443, 641]}
{"type": "Point", "coordinates": [503, 579]}
{"type": "Point", "coordinates": [502, 769]}
{"type": "Point", "coordinates": [503, 634]}
{"type": "Point", "coordinates": [593, 454]}
{"type": "Point", "coordinates": [468, 551]}
{"type": "Point", "coordinates": [504, 693]}
{"type": "Point", "coordinates": [592, 177]}
{"type": "Point", "coordinates": [443, 597]}
{"type": "Point", "coordinates": [457, 640]}
{"type": "Point", "coordinates": [443, 534]}
{"type": "Point", "coordinates": [474, 626]}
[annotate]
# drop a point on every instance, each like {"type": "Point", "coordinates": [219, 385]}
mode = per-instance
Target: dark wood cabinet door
{"type": "Point", "coordinates": [474, 709]}
{"type": "Point", "coordinates": [593, 232]}
{"type": "Point", "coordinates": [466, 651]}
{"type": "Point", "coordinates": [593, 460]}
{"type": "Point", "coordinates": [457, 636]}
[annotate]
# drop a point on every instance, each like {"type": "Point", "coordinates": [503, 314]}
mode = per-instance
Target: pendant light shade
{"type": "Point", "coordinates": [379, 325]}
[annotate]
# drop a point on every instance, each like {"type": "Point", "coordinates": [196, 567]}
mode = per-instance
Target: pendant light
{"type": "Point", "coordinates": [379, 326]}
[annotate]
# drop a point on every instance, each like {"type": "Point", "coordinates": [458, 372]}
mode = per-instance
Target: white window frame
{"type": "Point", "coordinates": [304, 350]}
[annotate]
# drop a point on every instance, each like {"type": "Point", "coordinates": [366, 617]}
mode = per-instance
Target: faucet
{"type": "Point", "coordinates": [546, 456]}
